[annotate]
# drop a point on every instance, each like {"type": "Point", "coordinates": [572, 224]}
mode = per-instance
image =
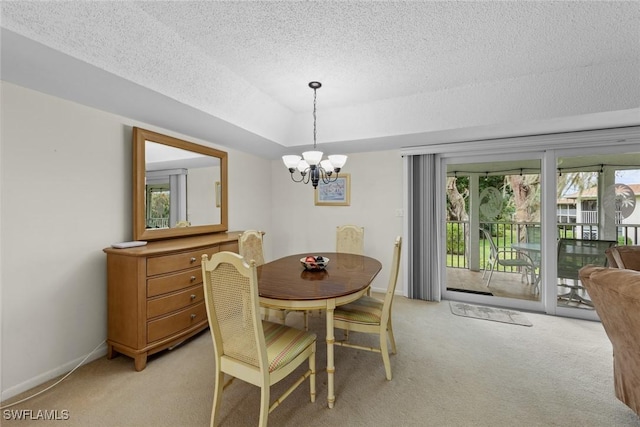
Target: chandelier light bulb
{"type": "Point", "coordinates": [312, 157]}
{"type": "Point", "coordinates": [327, 166]}
{"type": "Point", "coordinates": [302, 166]}
{"type": "Point", "coordinates": [338, 160]}
{"type": "Point", "coordinates": [291, 161]}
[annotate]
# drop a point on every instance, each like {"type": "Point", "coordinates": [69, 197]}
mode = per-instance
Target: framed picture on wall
{"type": "Point", "coordinates": [335, 193]}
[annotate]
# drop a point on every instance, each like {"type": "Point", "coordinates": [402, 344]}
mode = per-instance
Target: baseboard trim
{"type": "Point", "coordinates": [49, 375]}
{"type": "Point", "coordinates": [384, 291]}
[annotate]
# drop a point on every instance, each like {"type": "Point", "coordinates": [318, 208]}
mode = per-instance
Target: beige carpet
{"type": "Point", "coordinates": [449, 371]}
{"type": "Point", "coordinates": [489, 313]}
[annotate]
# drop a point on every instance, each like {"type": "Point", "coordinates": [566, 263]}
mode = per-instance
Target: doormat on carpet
{"type": "Point", "coordinates": [489, 313]}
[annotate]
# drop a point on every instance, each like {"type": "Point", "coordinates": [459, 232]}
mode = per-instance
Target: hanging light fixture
{"type": "Point", "coordinates": [311, 166]}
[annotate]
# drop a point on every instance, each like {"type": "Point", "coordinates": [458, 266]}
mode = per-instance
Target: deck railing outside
{"type": "Point", "coordinates": [507, 233]}
{"type": "Point", "coordinates": [157, 222]}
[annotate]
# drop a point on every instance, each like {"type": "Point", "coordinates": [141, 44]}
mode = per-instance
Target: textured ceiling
{"type": "Point", "coordinates": [390, 70]}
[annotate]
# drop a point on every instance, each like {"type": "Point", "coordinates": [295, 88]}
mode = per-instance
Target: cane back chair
{"type": "Point", "coordinates": [370, 315]}
{"type": "Point", "coordinates": [350, 239]}
{"type": "Point", "coordinates": [246, 347]}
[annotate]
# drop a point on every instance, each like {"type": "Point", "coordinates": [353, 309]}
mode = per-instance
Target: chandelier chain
{"type": "Point", "coordinates": [314, 118]}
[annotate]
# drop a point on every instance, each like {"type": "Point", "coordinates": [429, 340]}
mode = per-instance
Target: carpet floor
{"type": "Point", "coordinates": [449, 371]}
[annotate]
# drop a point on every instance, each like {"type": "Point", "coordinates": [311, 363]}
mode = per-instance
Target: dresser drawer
{"type": "Point", "coordinates": [166, 304]}
{"type": "Point", "coordinates": [169, 325]}
{"type": "Point", "coordinates": [173, 282]}
{"type": "Point", "coordinates": [178, 261]}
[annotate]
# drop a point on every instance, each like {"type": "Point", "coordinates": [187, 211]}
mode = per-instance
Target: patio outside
{"type": "Point", "coordinates": [511, 217]}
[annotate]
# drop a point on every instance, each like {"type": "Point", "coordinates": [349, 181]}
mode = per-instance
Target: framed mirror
{"type": "Point", "coordinates": [179, 188]}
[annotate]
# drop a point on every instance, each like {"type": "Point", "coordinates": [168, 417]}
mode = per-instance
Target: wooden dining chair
{"type": "Point", "coordinates": [350, 239]}
{"type": "Point", "coordinates": [256, 351]}
{"type": "Point", "coordinates": [250, 246]}
{"type": "Point", "coordinates": [371, 315]}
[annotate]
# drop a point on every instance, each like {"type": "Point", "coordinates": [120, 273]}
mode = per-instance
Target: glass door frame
{"type": "Point", "coordinates": [548, 177]}
{"type": "Point", "coordinates": [550, 274]}
{"type": "Point", "coordinates": [486, 157]}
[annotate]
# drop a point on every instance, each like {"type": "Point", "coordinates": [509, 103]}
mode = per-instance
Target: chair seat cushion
{"type": "Point", "coordinates": [365, 310]}
{"type": "Point", "coordinates": [284, 343]}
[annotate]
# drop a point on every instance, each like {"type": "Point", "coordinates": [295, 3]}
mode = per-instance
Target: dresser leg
{"type": "Point", "coordinates": [111, 353]}
{"type": "Point", "coordinates": [140, 361]}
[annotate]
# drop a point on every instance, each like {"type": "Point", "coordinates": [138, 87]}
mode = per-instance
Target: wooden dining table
{"type": "Point", "coordinates": [286, 284]}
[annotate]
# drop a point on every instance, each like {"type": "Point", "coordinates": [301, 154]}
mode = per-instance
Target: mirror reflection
{"type": "Point", "coordinates": [179, 188]}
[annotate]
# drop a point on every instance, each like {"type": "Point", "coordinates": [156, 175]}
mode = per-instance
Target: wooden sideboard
{"type": "Point", "coordinates": [154, 293]}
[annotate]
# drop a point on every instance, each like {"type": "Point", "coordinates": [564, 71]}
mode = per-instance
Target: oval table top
{"type": "Point", "coordinates": [287, 279]}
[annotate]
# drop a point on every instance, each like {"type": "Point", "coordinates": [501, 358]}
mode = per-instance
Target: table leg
{"type": "Point", "coordinates": [331, 305]}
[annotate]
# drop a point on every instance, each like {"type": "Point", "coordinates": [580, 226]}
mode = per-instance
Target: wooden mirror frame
{"type": "Point", "coordinates": [140, 232]}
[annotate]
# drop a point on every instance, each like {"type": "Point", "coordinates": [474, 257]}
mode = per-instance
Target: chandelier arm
{"type": "Point", "coordinates": [326, 177]}
{"type": "Point", "coordinates": [296, 180]}
{"type": "Point", "coordinates": [303, 174]}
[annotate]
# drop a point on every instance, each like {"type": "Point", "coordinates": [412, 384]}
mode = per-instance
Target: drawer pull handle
{"type": "Point", "coordinates": [193, 316]}
{"type": "Point", "coordinates": [193, 297]}
{"type": "Point", "coordinates": [192, 278]}
{"type": "Point", "coordinates": [193, 259]}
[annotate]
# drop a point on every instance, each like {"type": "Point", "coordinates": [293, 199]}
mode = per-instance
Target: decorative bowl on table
{"type": "Point", "coordinates": [314, 262]}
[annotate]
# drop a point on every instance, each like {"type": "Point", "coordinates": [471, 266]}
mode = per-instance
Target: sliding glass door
{"type": "Point", "coordinates": [510, 217]}
{"type": "Point", "coordinates": [598, 204]}
{"type": "Point", "coordinates": [493, 230]}
{"type": "Point", "coordinates": [501, 240]}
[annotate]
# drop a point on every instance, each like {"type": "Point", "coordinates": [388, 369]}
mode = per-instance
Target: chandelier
{"type": "Point", "coordinates": [310, 166]}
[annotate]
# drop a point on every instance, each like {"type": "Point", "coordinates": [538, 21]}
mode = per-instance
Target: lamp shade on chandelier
{"type": "Point", "coordinates": [311, 167]}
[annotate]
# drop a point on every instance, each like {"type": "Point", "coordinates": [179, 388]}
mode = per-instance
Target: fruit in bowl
{"type": "Point", "coordinates": [311, 262]}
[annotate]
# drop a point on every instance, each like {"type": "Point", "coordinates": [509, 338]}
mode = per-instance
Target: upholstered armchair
{"type": "Point", "coordinates": [624, 257]}
{"type": "Point", "coordinates": [615, 294]}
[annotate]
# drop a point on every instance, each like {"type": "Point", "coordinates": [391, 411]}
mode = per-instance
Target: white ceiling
{"type": "Point", "coordinates": [394, 74]}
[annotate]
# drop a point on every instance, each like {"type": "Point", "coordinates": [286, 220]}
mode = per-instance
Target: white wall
{"type": "Point", "coordinates": [65, 195]}
{"type": "Point", "coordinates": [201, 195]}
{"type": "Point", "coordinates": [376, 197]}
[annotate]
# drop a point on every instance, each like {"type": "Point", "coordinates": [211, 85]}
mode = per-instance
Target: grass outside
{"type": "Point", "coordinates": [455, 253]}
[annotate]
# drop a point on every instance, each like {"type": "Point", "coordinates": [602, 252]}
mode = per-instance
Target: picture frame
{"type": "Point", "coordinates": [335, 193]}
